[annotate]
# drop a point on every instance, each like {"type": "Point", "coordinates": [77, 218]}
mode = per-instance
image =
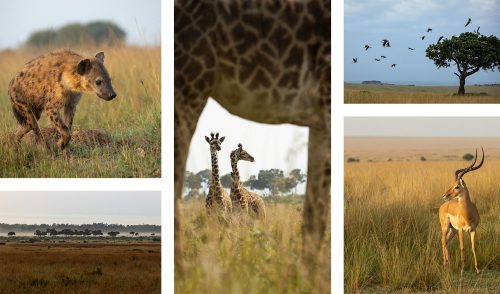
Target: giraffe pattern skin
{"type": "Point", "coordinates": [243, 199]}
{"type": "Point", "coordinates": [267, 61]}
{"type": "Point", "coordinates": [217, 198]}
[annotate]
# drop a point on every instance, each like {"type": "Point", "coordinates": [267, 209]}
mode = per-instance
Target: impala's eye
{"type": "Point", "coordinates": [457, 188]}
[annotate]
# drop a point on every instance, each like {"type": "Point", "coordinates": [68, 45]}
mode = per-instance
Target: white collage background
{"type": "Point", "coordinates": [165, 184]}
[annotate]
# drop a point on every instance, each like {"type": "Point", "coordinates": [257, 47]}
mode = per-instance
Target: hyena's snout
{"type": "Point", "coordinates": [108, 94]}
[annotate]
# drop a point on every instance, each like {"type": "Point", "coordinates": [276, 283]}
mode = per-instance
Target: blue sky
{"type": "Point", "coordinates": [141, 19]}
{"type": "Point", "coordinates": [403, 22]}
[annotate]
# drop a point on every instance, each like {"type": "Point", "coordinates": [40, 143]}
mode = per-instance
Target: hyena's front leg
{"type": "Point", "coordinates": [69, 110]}
{"type": "Point", "coordinates": [62, 129]}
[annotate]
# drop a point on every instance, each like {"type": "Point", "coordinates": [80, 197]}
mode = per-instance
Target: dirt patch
{"type": "Point", "coordinates": [79, 137]}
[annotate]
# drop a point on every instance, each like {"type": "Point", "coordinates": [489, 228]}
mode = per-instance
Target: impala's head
{"type": "Point", "coordinates": [458, 186]}
{"type": "Point", "coordinates": [214, 141]}
{"type": "Point", "coordinates": [240, 154]}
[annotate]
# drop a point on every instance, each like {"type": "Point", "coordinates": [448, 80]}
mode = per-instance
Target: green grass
{"type": "Point", "coordinates": [247, 255]}
{"type": "Point", "coordinates": [132, 122]}
{"type": "Point", "coordinates": [359, 93]}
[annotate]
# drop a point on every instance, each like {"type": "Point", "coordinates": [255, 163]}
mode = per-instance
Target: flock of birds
{"type": "Point", "coordinates": [387, 44]}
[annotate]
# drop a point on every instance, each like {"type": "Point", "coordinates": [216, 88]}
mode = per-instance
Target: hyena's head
{"type": "Point", "coordinates": [95, 77]}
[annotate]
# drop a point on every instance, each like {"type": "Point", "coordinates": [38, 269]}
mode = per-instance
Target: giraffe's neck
{"type": "Point", "coordinates": [215, 167]}
{"type": "Point", "coordinates": [234, 168]}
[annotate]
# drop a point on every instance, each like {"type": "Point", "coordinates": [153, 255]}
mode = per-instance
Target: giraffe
{"type": "Point", "coordinates": [217, 197]}
{"type": "Point", "coordinates": [241, 197]}
{"type": "Point", "coordinates": [264, 60]}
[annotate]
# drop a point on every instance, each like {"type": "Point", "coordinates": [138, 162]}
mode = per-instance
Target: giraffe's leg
{"type": "Point", "coordinates": [185, 120]}
{"type": "Point", "coordinates": [473, 242]}
{"type": "Point", "coordinates": [317, 203]}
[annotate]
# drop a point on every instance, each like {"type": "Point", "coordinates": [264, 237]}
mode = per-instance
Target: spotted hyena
{"type": "Point", "coordinates": [54, 81]}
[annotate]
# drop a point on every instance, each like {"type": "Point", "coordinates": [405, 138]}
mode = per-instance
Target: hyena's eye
{"type": "Point", "coordinates": [98, 82]}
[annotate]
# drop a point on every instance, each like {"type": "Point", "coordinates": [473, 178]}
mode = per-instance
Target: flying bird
{"type": "Point", "coordinates": [440, 38]}
{"type": "Point", "coordinates": [376, 59]}
{"type": "Point", "coordinates": [429, 30]}
{"type": "Point", "coordinates": [411, 48]}
{"type": "Point", "coordinates": [384, 57]}
{"type": "Point", "coordinates": [423, 37]}
{"type": "Point", "coordinates": [385, 43]}
{"type": "Point", "coordinates": [468, 22]}
{"type": "Point", "coordinates": [477, 31]}
{"type": "Point", "coordinates": [355, 60]}
{"type": "Point", "coordinates": [367, 47]}
{"type": "Point", "coordinates": [393, 65]}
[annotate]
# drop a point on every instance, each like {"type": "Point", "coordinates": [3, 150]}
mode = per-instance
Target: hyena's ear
{"type": "Point", "coordinates": [83, 66]}
{"type": "Point", "coordinates": [100, 56]}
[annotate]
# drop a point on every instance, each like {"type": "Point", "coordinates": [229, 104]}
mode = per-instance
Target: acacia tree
{"type": "Point", "coordinates": [470, 52]}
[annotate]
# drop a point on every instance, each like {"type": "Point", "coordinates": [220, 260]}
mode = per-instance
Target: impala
{"type": "Point", "coordinates": [459, 214]}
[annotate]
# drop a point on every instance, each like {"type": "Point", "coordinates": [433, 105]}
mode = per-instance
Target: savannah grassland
{"type": "Point", "coordinates": [118, 138]}
{"type": "Point", "coordinates": [358, 93]}
{"type": "Point", "coordinates": [248, 255]}
{"type": "Point", "coordinates": [97, 266]}
{"type": "Point", "coordinates": [391, 225]}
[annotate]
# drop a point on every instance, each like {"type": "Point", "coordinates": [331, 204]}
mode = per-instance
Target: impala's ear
{"type": "Point", "coordinates": [207, 139]}
{"type": "Point", "coordinates": [222, 139]}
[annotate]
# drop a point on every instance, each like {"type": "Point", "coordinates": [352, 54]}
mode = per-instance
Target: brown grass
{"type": "Point", "coordinates": [102, 267]}
{"type": "Point", "coordinates": [392, 231]}
{"type": "Point", "coordinates": [357, 93]}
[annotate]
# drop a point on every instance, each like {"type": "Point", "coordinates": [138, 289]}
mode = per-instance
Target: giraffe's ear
{"type": "Point", "coordinates": [207, 139]}
{"type": "Point", "coordinates": [222, 139]}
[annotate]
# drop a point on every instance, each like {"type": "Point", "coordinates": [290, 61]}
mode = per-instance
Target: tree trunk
{"type": "Point", "coordinates": [461, 88]}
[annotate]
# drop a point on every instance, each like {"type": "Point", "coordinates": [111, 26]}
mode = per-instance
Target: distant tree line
{"type": "Point", "coordinates": [272, 182]}
{"type": "Point", "coordinates": [94, 33]}
{"type": "Point", "coordinates": [79, 228]}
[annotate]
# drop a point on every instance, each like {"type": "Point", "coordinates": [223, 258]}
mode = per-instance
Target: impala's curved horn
{"type": "Point", "coordinates": [471, 167]}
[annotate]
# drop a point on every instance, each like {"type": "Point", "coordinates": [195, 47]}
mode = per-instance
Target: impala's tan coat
{"type": "Point", "coordinates": [459, 214]}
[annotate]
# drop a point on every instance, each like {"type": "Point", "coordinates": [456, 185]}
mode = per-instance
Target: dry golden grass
{"type": "Point", "coordinates": [102, 267]}
{"type": "Point", "coordinates": [392, 231]}
{"type": "Point", "coordinates": [134, 116]}
{"type": "Point", "coordinates": [247, 255]}
{"type": "Point", "coordinates": [357, 93]}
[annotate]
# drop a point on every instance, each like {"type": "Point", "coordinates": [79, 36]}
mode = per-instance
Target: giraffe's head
{"type": "Point", "coordinates": [215, 141]}
{"type": "Point", "coordinates": [240, 154]}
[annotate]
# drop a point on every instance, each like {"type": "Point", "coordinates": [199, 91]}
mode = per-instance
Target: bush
{"type": "Point", "coordinates": [468, 157]}
{"type": "Point", "coordinates": [352, 159]}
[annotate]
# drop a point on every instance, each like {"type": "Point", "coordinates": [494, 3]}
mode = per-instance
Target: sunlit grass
{"type": "Point", "coordinates": [392, 231]}
{"type": "Point", "coordinates": [134, 116]}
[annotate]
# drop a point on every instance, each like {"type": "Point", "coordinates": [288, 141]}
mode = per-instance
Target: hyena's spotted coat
{"type": "Point", "coordinates": [52, 82]}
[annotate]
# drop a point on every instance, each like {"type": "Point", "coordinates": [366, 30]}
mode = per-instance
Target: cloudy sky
{"type": "Point", "coordinates": [128, 208]}
{"type": "Point", "coordinates": [141, 19]}
{"type": "Point", "coordinates": [423, 126]}
{"type": "Point", "coordinates": [272, 146]}
{"type": "Point", "coordinates": [403, 22]}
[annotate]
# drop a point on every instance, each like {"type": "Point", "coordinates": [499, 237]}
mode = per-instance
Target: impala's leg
{"type": "Point", "coordinates": [444, 245]}
{"type": "Point", "coordinates": [473, 242]}
{"type": "Point", "coordinates": [450, 235]}
{"type": "Point", "coordinates": [461, 239]}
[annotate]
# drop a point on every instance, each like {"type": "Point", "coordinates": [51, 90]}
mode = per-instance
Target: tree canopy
{"type": "Point", "coordinates": [469, 52]}
{"type": "Point", "coordinates": [95, 33]}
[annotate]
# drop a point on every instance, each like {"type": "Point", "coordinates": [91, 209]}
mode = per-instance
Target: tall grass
{"type": "Point", "coordinates": [392, 230]}
{"type": "Point", "coordinates": [245, 255]}
{"type": "Point", "coordinates": [133, 117]}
